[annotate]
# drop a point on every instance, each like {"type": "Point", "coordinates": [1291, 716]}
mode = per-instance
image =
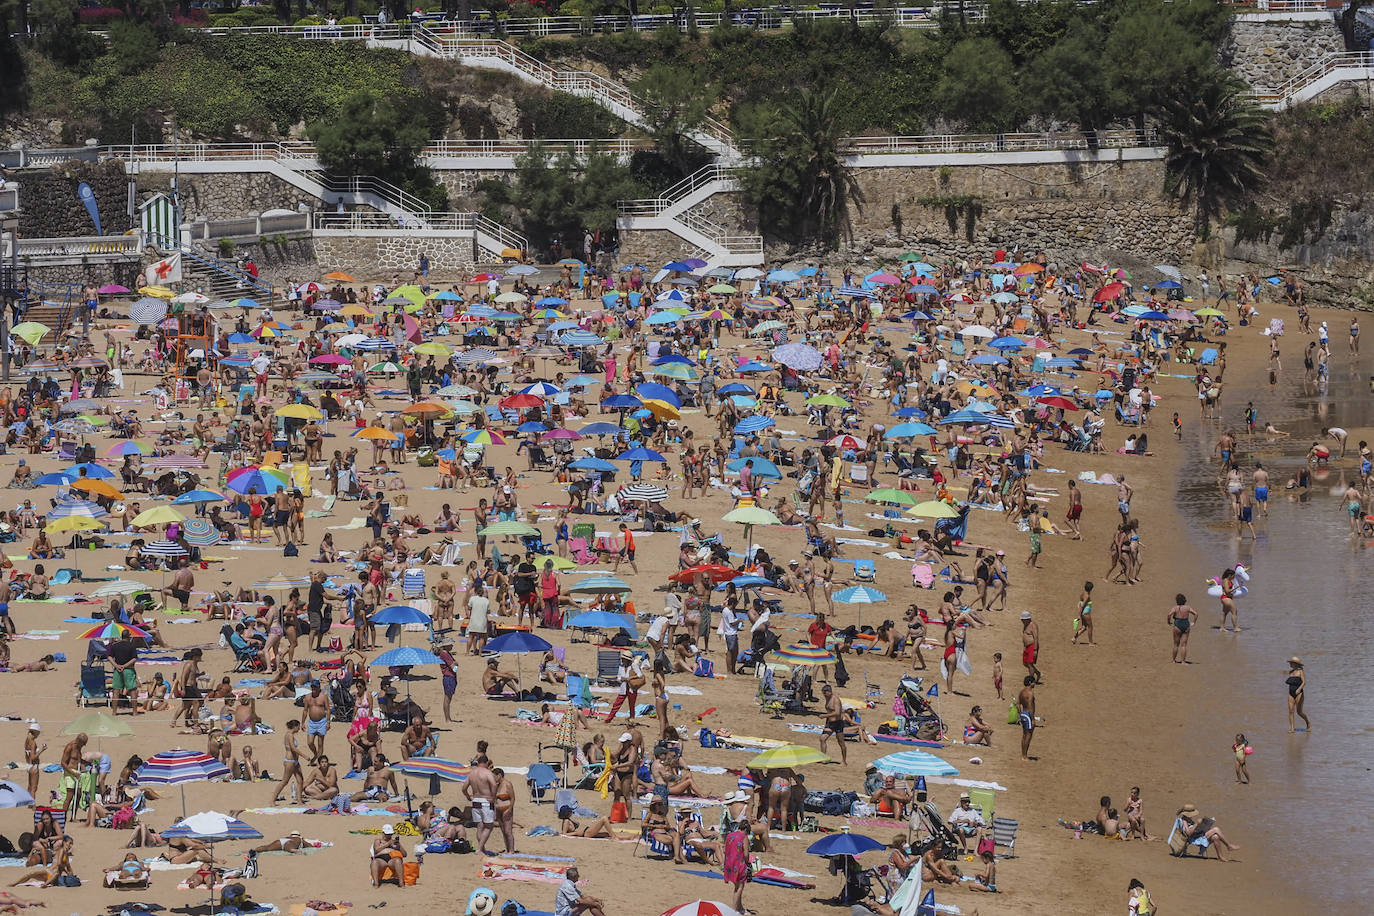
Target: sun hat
{"type": "Point", "coordinates": [1189, 810]}
{"type": "Point", "coordinates": [388, 830]}
{"type": "Point", "coordinates": [1295, 661]}
{"type": "Point", "coordinates": [1025, 615]}
{"type": "Point", "coordinates": [626, 736]}
{"type": "Point", "coordinates": [627, 656]}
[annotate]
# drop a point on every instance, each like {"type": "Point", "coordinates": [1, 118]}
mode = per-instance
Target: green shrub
{"type": "Point", "coordinates": [351, 20]}
{"type": "Point", "coordinates": [226, 248]}
{"type": "Point", "coordinates": [308, 21]}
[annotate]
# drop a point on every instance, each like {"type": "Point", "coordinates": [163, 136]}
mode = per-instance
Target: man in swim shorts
{"type": "Point", "coordinates": [1025, 711]}
{"type": "Point", "coordinates": [834, 722]}
{"type": "Point", "coordinates": [1261, 480]}
{"type": "Point", "coordinates": [1030, 646]}
{"type": "Point", "coordinates": [316, 704]}
{"type": "Point", "coordinates": [480, 789]}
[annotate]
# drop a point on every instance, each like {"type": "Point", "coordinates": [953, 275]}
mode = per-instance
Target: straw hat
{"type": "Point", "coordinates": [1295, 662]}
{"type": "Point", "coordinates": [1189, 811]}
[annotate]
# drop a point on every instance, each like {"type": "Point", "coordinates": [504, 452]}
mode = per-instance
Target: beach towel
{"type": "Point", "coordinates": [506, 869]}
{"type": "Point", "coordinates": [773, 878]}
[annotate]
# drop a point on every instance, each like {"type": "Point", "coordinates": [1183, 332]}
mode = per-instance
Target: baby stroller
{"type": "Point", "coordinates": [341, 702]}
{"type": "Point", "coordinates": [915, 717]}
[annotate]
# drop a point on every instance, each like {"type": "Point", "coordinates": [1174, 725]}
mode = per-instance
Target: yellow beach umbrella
{"type": "Point", "coordinates": [157, 515]}
{"type": "Point", "coordinates": [355, 311]}
{"type": "Point", "coordinates": [787, 757]}
{"type": "Point", "coordinates": [662, 409]}
{"type": "Point", "coordinates": [157, 292]}
{"type": "Point", "coordinates": [933, 508]}
{"type": "Point", "coordinates": [31, 332]}
{"type": "Point", "coordinates": [433, 348]}
{"type": "Point", "coordinates": [299, 412]}
{"type": "Point", "coordinates": [74, 523]}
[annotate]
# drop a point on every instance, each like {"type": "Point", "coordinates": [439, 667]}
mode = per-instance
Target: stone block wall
{"type": "Point", "coordinates": [652, 246]}
{"type": "Point", "coordinates": [50, 207]}
{"type": "Point", "coordinates": [461, 184]}
{"type": "Point", "coordinates": [368, 256]}
{"type": "Point", "coordinates": [228, 195]}
{"type": "Point", "coordinates": [1267, 54]}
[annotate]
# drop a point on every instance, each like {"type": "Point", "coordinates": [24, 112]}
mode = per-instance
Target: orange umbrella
{"type": "Point", "coordinates": [340, 276]}
{"type": "Point", "coordinates": [375, 432]}
{"type": "Point", "coordinates": [1028, 268]}
{"type": "Point", "coordinates": [96, 488]}
{"type": "Point", "coordinates": [426, 409]}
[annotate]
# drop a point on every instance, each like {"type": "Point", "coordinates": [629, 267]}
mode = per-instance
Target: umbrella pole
{"type": "Point", "coordinates": [183, 807]}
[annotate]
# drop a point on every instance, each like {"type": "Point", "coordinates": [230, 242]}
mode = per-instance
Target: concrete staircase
{"type": "Point", "coordinates": [1328, 73]}
{"type": "Point", "coordinates": [674, 211]}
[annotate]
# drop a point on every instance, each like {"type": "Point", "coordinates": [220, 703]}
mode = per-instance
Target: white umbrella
{"type": "Point", "coordinates": [977, 330]}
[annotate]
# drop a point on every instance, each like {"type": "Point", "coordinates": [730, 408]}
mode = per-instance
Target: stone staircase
{"type": "Point", "coordinates": [675, 211]}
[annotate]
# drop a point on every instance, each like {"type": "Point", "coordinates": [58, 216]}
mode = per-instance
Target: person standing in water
{"type": "Point", "coordinates": [1297, 689]}
{"type": "Point", "coordinates": [1181, 619]}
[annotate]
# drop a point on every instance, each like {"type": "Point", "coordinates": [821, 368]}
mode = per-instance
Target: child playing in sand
{"type": "Point", "coordinates": [997, 674]}
{"type": "Point", "coordinates": [1242, 750]}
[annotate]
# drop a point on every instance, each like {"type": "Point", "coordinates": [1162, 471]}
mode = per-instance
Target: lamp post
{"type": "Point", "coordinates": [176, 180]}
{"type": "Point", "coordinates": [9, 275]}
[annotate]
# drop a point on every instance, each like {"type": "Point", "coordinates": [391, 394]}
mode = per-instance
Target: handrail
{"type": "Point", "coordinates": [1295, 84]}
{"type": "Point", "coordinates": [80, 245]}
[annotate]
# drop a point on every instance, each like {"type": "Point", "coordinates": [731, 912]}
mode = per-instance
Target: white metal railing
{"type": "Point", "coordinates": [435, 221]}
{"type": "Point", "coordinates": [1002, 143]}
{"type": "Point", "coordinates": [81, 246]}
{"type": "Point", "coordinates": [652, 206]}
{"type": "Point", "coordinates": [1287, 90]}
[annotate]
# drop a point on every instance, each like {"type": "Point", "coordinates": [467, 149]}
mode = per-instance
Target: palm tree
{"type": "Point", "coordinates": [811, 135]}
{"type": "Point", "coordinates": [1218, 145]}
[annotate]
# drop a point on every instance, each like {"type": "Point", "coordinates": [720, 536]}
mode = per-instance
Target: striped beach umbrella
{"type": "Point", "coordinates": [213, 826]}
{"type": "Point", "coordinates": [119, 588]}
{"type": "Point", "coordinates": [162, 549]}
{"type": "Point", "coordinates": [281, 583]}
{"type": "Point", "coordinates": [200, 533]}
{"type": "Point", "coordinates": [601, 585]}
{"type": "Point", "coordinates": [114, 630]}
{"type": "Point", "coordinates": [177, 767]}
{"type": "Point", "coordinates": [77, 507]}
{"type": "Point", "coordinates": [177, 461]}
{"type": "Point", "coordinates": [120, 449]}
{"type": "Point", "coordinates": [859, 594]}
{"type": "Point", "coordinates": [148, 310]}
{"type": "Point", "coordinates": [580, 338]}
{"type": "Point", "coordinates": [805, 654]}
{"type": "Point", "coordinates": [476, 356]}
{"type": "Point", "coordinates": [914, 763]}
{"type": "Point", "coordinates": [702, 908]}
{"type": "Point", "coordinates": [433, 766]}
{"type": "Point", "coordinates": [483, 437]}
{"type": "Point", "coordinates": [644, 492]}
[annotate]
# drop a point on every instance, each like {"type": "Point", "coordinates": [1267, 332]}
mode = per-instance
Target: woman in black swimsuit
{"type": "Point", "coordinates": [1297, 688]}
{"type": "Point", "coordinates": [1181, 618]}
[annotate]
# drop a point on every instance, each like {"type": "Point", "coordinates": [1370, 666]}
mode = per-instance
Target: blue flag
{"type": "Point", "coordinates": [87, 196]}
{"type": "Point", "coordinates": [927, 905]}
{"type": "Point", "coordinates": [934, 690]}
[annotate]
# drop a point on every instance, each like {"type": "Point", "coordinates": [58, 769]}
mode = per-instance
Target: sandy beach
{"type": "Point", "coordinates": [1116, 715]}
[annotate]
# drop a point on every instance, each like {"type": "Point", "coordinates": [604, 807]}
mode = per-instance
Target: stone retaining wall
{"type": "Point", "coordinates": [228, 195]}
{"type": "Point", "coordinates": [50, 207]}
{"type": "Point", "coordinates": [392, 255]}
{"type": "Point", "coordinates": [1267, 54]}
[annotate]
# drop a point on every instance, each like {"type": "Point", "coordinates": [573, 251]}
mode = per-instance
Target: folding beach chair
{"type": "Point", "coordinates": [608, 666]}
{"type": "Point", "coordinates": [1004, 834]}
{"type": "Point", "coordinates": [985, 800]}
{"type": "Point", "coordinates": [94, 686]}
{"type": "Point", "coordinates": [413, 583]}
{"type": "Point", "coordinates": [1181, 847]}
{"type": "Point", "coordinates": [864, 571]}
{"type": "Point", "coordinates": [540, 777]}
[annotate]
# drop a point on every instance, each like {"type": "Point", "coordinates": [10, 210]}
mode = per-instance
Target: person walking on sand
{"type": "Point", "coordinates": [834, 722]}
{"type": "Point", "coordinates": [1075, 510]}
{"type": "Point", "coordinates": [291, 762]}
{"type": "Point", "coordinates": [1030, 646]}
{"type": "Point", "coordinates": [1025, 712]}
{"type": "Point", "coordinates": [1297, 692]}
{"type": "Point", "coordinates": [1241, 749]}
{"type": "Point", "coordinates": [1084, 625]}
{"type": "Point", "coordinates": [1124, 492]}
{"type": "Point", "coordinates": [1181, 619]}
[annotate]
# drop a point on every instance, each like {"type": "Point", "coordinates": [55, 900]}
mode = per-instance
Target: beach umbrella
{"type": "Point", "coordinates": [162, 549]}
{"type": "Point", "coordinates": [54, 479]}
{"type": "Point", "coordinates": [200, 533]}
{"type": "Point", "coordinates": [531, 426]}
{"type": "Point", "coordinates": [804, 654]}
{"type": "Point", "coordinates": [1109, 291]}
{"type": "Point", "coordinates": [664, 317]}
{"type": "Point", "coordinates": [178, 767]}
{"type": "Point", "coordinates": [120, 449]}
{"type": "Point", "coordinates": [99, 725]}
{"type": "Point", "coordinates": [826, 400]}
{"type": "Point", "coordinates": [786, 757]}
{"type": "Point", "coordinates": [119, 588]}
{"type": "Point", "coordinates": [1007, 343]}
{"type": "Point", "coordinates": [715, 572]}
{"type": "Point", "coordinates": [114, 630]}
{"type": "Point", "coordinates": [299, 412]}
{"type": "Point", "coordinates": [977, 330]}
{"type": "Point", "coordinates": [602, 428]}
{"type": "Point", "coordinates": [644, 492]}
{"type": "Point", "coordinates": [601, 585]}
{"type": "Point", "coordinates": [82, 508]}
{"type": "Point", "coordinates": [680, 371]}
{"type": "Point", "coordinates": [749, 516]}
{"type": "Point", "coordinates": [914, 763]}
{"type": "Point", "coordinates": [640, 453]}
{"type": "Point", "coordinates": [405, 657]}
{"type": "Point", "coordinates": [745, 580]}
{"type": "Point", "coordinates": [844, 843]}
{"type": "Point", "coordinates": [520, 401]}
{"type": "Point", "coordinates": [263, 479]}
{"type": "Point", "coordinates": [799, 356]}
{"type": "Point", "coordinates": [212, 827]}
{"type": "Point", "coordinates": [1172, 273]}
{"type": "Point", "coordinates": [847, 441]}
{"type": "Point", "coordinates": [93, 471]}
{"type": "Point", "coordinates": [280, 582]}
{"type": "Point", "coordinates": [701, 908]}
{"type": "Point", "coordinates": [518, 643]}
{"type": "Point", "coordinates": [432, 766]}
{"type": "Point", "coordinates": [31, 332]}
{"type": "Point", "coordinates": [889, 495]}
{"type": "Point", "coordinates": [157, 515]}
{"type": "Point", "coordinates": [483, 437]}
{"type": "Point", "coordinates": [654, 391]}
{"type": "Point", "coordinates": [509, 529]}
{"type": "Point", "coordinates": [13, 795]}
{"type": "Point", "coordinates": [933, 508]}
{"type": "Point", "coordinates": [110, 289]}
{"type": "Point", "coordinates": [860, 595]}
{"type": "Point", "coordinates": [754, 424]}
{"type": "Point", "coordinates": [401, 614]}
{"type": "Point", "coordinates": [988, 359]}
{"type": "Point", "coordinates": [909, 431]}
{"type": "Point", "coordinates": [762, 467]}
{"type": "Point", "coordinates": [599, 465]}
{"type": "Point", "coordinates": [602, 620]}
{"type": "Point", "coordinates": [375, 432]}
{"type": "Point", "coordinates": [198, 497]}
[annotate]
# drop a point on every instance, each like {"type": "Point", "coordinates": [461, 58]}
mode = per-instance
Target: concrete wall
{"type": "Point", "coordinates": [1267, 54]}
{"type": "Point", "coordinates": [50, 207]}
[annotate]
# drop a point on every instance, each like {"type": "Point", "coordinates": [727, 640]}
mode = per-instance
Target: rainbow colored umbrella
{"type": "Point", "coordinates": [114, 630]}
{"type": "Point", "coordinates": [483, 437]}
{"type": "Point", "coordinates": [805, 654]}
{"type": "Point", "coordinates": [433, 766]}
{"type": "Point", "coordinates": [264, 480]}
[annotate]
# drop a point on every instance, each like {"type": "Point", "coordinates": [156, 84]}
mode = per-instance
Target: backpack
{"type": "Point", "coordinates": [291, 550]}
{"type": "Point", "coordinates": [513, 908]}
{"type": "Point", "coordinates": [250, 865]}
{"type": "Point", "coordinates": [708, 738]}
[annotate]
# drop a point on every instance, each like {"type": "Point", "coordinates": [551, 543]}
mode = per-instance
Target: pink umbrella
{"type": "Point", "coordinates": [885, 278]}
{"type": "Point", "coordinates": [329, 359]}
{"type": "Point", "coordinates": [1037, 343]}
{"type": "Point", "coordinates": [562, 433]}
{"type": "Point", "coordinates": [1182, 315]}
{"type": "Point", "coordinates": [110, 289]}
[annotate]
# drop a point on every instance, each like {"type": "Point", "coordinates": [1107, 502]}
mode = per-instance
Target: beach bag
{"type": "Point", "coordinates": [68, 881]}
{"type": "Point", "coordinates": [986, 844]}
{"type": "Point", "coordinates": [235, 895]}
{"type": "Point", "coordinates": [439, 845]}
{"type": "Point", "coordinates": [708, 738]}
{"type": "Point", "coordinates": [410, 874]}
{"type": "Point", "coordinates": [1013, 715]}
{"type": "Point", "coordinates": [123, 819]}
{"type": "Point", "coordinates": [513, 908]}
{"type": "Point", "coordinates": [291, 550]}
{"type": "Point", "coordinates": [705, 668]}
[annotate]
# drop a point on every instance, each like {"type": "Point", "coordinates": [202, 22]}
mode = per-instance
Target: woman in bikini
{"type": "Point", "coordinates": [599, 828]}
{"type": "Point", "coordinates": [1297, 690]}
